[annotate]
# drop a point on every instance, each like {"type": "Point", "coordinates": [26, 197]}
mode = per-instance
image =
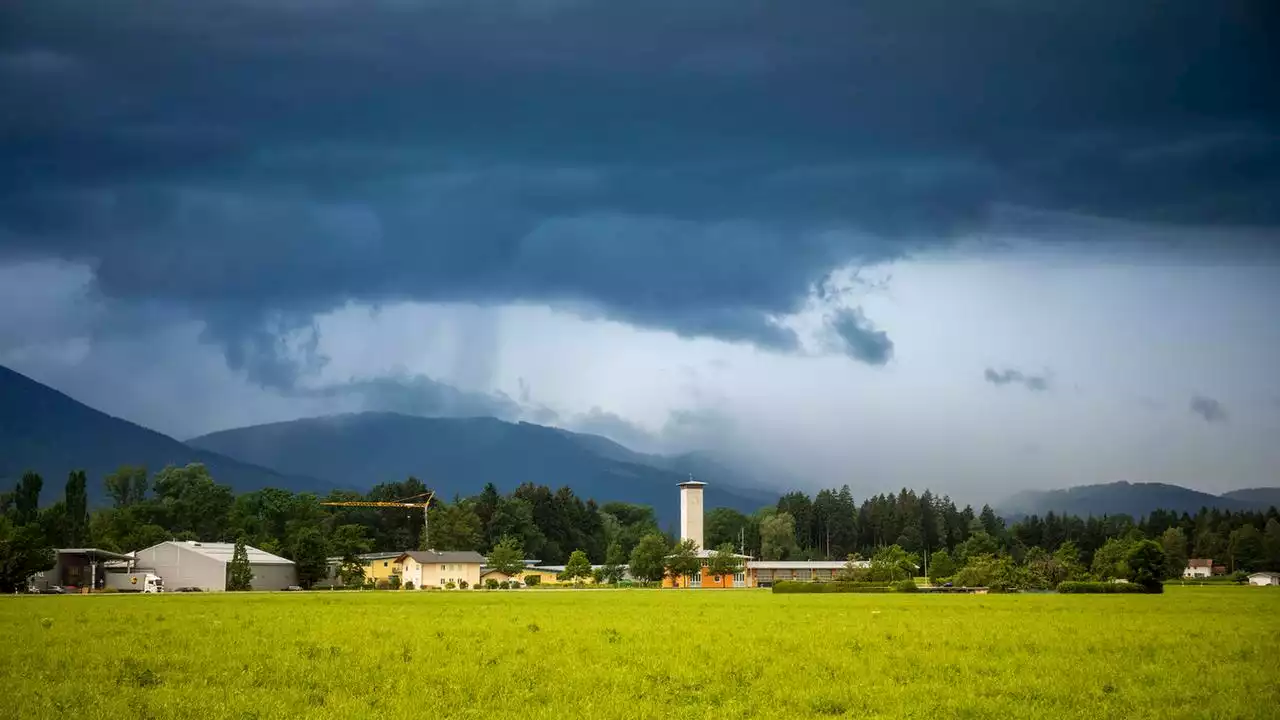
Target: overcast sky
{"type": "Point", "coordinates": [972, 246]}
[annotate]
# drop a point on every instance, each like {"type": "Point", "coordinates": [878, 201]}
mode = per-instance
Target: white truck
{"type": "Point", "coordinates": [134, 582]}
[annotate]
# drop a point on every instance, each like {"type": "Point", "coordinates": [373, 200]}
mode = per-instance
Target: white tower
{"type": "Point", "coordinates": [691, 511]}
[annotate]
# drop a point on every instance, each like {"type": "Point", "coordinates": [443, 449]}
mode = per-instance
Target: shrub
{"type": "Point", "coordinates": [794, 587]}
{"type": "Point", "coordinates": [384, 585]}
{"type": "Point", "coordinates": [908, 586]}
{"type": "Point", "coordinates": [408, 585]}
{"type": "Point", "coordinates": [504, 585]}
{"type": "Point", "coordinates": [533, 580]}
{"type": "Point", "coordinates": [491, 583]}
{"type": "Point", "coordinates": [449, 585]}
{"type": "Point", "coordinates": [394, 582]}
{"type": "Point", "coordinates": [463, 585]}
{"type": "Point", "coordinates": [1099, 588]}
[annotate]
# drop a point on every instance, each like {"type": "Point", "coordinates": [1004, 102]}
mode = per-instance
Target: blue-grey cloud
{"type": "Point", "coordinates": [1209, 409]}
{"type": "Point", "coordinates": [859, 339]}
{"type": "Point", "coordinates": [694, 167]}
{"type": "Point", "coordinates": [1035, 383]}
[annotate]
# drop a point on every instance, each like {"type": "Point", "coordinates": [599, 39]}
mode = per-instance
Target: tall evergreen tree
{"type": "Point", "coordinates": [239, 572]}
{"type": "Point", "coordinates": [76, 499]}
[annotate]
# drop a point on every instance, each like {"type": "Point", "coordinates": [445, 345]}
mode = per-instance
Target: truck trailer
{"type": "Point", "coordinates": [143, 582]}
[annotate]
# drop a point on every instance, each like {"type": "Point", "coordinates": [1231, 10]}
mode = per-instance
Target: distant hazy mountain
{"type": "Point", "coordinates": [1134, 499]}
{"type": "Point", "coordinates": [1257, 497]}
{"type": "Point", "coordinates": [43, 430]}
{"type": "Point", "coordinates": [459, 455]}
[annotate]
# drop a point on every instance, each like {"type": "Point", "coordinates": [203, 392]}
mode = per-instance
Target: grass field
{"type": "Point", "coordinates": [1193, 652]}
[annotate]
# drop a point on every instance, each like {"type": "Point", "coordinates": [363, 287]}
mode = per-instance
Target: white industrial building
{"type": "Point", "coordinates": [1264, 578]}
{"type": "Point", "coordinates": [193, 564]}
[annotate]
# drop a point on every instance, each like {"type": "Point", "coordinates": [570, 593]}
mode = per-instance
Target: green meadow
{"type": "Point", "coordinates": [1195, 652]}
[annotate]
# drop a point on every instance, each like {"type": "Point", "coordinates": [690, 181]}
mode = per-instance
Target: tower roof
{"type": "Point", "coordinates": [691, 483]}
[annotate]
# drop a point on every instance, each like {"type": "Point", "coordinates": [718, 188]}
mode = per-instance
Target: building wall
{"type": "Point", "coordinates": [270, 577]}
{"type": "Point", "coordinates": [181, 567]}
{"type": "Point", "coordinates": [496, 576]}
{"type": "Point", "coordinates": [707, 580]}
{"type": "Point", "coordinates": [410, 572]}
{"type": "Point", "coordinates": [1262, 580]}
{"type": "Point", "coordinates": [381, 569]}
{"type": "Point", "coordinates": [437, 574]}
{"type": "Point", "coordinates": [545, 577]}
{"type": "Point", "coordinates": [1196, 572]}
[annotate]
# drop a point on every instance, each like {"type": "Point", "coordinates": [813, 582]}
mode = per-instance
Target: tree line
{"type": "Point", "coordinates": [832, 526]}
{"type": "Point", "coordinates": [186, 503]}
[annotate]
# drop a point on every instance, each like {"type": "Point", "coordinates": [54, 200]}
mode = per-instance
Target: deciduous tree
{"type": "Point", "coordinates": [310, 557]}
{"type": "Point", "coordinates": [1146, 565]}
{"type": "Point", "coordinates": [614, 564]}
{"type": "Point", "coordinates": [578, 567]}
{"type": "Point", "coordinates": [778, 536]}
{"type": "Point", "coordinates": [1174, 543]}
{"type": "Point", "coordinates": [723, 561]}
{"type": "Point", "coordinates": [941, 565]}
{"type": "Point", "coordinates": [683, 560]}
{"type": "Point", "coordinates": [507, 557]}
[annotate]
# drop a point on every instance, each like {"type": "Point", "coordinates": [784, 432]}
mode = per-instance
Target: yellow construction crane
{"type": "Point", "coordinates": [401, 503]}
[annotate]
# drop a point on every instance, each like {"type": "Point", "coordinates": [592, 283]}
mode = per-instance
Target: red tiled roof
{"type": "Point", "coordinates": [1195, 563]}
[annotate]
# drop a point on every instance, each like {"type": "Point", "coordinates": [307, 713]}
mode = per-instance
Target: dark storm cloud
{"type": "Point", "coordinates": [420, 395]}
{"type": "Point", "coordinates": [1209, 409]}
{"type": "Point", "coordinates": [1035, 383]}
{"type": "Point", "coordinates": [696, 167]}
{"type": "Point", "coordinates": [859, 339]}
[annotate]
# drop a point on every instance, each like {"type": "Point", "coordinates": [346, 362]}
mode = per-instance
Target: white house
{"type": "Point", "coordinates": [1264, 578]}
{"type": "Point", "coordinates": [434, 568]}
{"type": "Point", "coordinates": [1197, 568]}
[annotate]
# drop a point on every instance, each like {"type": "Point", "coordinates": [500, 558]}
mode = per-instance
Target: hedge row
{"type": "Point", "coordinates": [1102, 588]}
{"type": "Point", "coordinates": [800, 587]}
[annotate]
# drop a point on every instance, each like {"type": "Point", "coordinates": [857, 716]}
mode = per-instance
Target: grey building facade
{"type": "Point", "coordinates": [189, 563]}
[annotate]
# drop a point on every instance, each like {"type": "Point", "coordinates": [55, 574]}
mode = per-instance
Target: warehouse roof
{"type": "Point", "coordinates": [366, 557]}
{"type": "Point", "coordinates": [95, 553]}
{"type": "Point", "coordinates": [803, 564]}
{"type": "Point", "coordinates": [445, 556]}
{"type": "Point", "coordinates": [224, 551]}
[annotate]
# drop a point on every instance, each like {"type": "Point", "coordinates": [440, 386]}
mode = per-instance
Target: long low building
{"type": "Point", "coordinates": [192, 564]}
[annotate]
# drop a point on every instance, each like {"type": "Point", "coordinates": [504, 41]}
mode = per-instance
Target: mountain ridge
{"type": "Point", "coordinates": [459, 455]}
{"type": "Point", "coordinates": [47, 431]}
{"type": "Point", "coordinates": [1135, 499]}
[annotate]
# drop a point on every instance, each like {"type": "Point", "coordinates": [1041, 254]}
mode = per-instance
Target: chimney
{"type": "Point", "coordinates": [691, 511]}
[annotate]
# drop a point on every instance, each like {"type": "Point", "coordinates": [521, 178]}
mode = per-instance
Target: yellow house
{"type": "Point", "coordinates": [546, 576]}
{"type": "Point", "coordinates": [378, 567]}
{"type": "Point", "coordinates": [434, 568]}
{"type": "Point", "coordinates": [488, 573]}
